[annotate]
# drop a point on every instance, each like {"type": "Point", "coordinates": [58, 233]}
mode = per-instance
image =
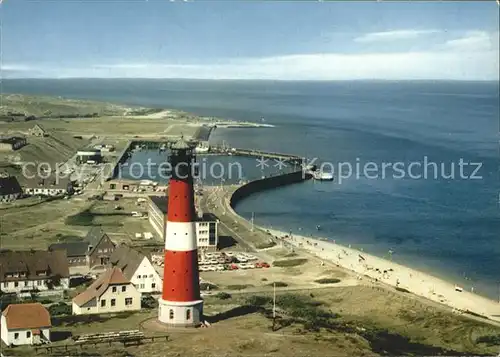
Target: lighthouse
{"type": "Point", "coordinates": [181, 304]}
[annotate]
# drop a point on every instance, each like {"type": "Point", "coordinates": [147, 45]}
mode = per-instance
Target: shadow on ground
{"type": "Point", "coordinates": [56, 336]}
{"type": "Point", "coordinates": [226, 242]}
{"type": "Point", "coordinates": [236, 312]}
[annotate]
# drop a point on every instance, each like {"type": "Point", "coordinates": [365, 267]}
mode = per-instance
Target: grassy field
{"type": "Point", "coordinates": [327, 322]}
{"type": "Point", "coordinates": [37, 223]}
{"type": "Point", "coordinates": [45, 106]}
{"type": "Point", "coordinates": [56, 148]}
{"type": "Point", "coordinates": [107, 127]}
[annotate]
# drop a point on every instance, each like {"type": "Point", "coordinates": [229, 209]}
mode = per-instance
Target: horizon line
{"type": "Point", "coordinates": [258, 79]}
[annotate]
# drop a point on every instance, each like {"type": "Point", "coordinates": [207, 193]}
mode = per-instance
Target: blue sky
{"type": "Point", "coordinates": [250, 40]}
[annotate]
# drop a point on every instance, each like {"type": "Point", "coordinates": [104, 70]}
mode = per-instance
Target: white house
{"type": "Point", "coordinates": [25, 324]}
{"type": "Point", "coordinates": [137, 268]}
{"type": "Point", "coordinates": [50, 186]}
{"type": "Point", "coordinates": [33, 270]}
{"type": "Point", "coordinates": [111, 292]}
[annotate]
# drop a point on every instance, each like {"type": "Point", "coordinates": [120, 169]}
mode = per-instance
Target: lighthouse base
{"type": "Point", "coordinates": [180, 314]}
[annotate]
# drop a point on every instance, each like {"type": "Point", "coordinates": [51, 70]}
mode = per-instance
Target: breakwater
{"type": "Point", "coordinates": [267, 183]}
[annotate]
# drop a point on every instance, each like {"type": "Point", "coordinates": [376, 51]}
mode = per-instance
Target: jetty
{"type": "Point", "coordinates": [224, 150]}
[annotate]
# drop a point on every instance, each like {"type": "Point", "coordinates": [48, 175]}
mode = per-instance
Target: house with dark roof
{"type": "Point", "coordinates": [47, 186]}
{"type": "Point", "coordinates": [33, 270]}
{"type": "Point", "coordinates": [100, 247]}
{"type": "Point", "coordinates": [137, 268]}
{"type": "Point", "coordinates": [25, 324]}
{"type": "Point", "coordinates": [111, 292]}
{"type": "Point", "coordinates": [10, 189]}
{"type": "Point", "coordinates": [93, 251]}
{"type": "Point", "coordinates": [76, 252]}
{"type": "Point", "coordinates": [11, 143]}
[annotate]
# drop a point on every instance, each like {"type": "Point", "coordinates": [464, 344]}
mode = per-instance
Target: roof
{"type": "Point", "coordinates": [9, 185]}
{"type": "Point", "coordinates": [181, 144]}
{"type": "Point", "coordinates": [127, 259]}
{"type": "Point", "coordinates": [39, 126]}
{"type": "Point", "coordinates": [94, 236]}
{"type": "Point", "coordinates": [30, 262]}
{"type": "Point", "coordinates": [209, 217]}
{"type": "Point", "coordinates": [50, 182]}
{"type": "Point", "coordinates": [73, 249]}
{"type": "Point", "coordinates": [113, 276]}
{"type": "Point", "coordinates": [161, 202]}
{"type": "Point", "coordinates": [26, 316]}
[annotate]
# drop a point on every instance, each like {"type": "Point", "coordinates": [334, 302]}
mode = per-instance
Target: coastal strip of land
{"type": "Point", "coordinates": [401, 277]}
{"type": "Point", "coordinates": [394, 274]}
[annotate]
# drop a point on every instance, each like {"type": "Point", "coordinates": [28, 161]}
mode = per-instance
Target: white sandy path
{"type": "Point", "coordinates": [413, 280]}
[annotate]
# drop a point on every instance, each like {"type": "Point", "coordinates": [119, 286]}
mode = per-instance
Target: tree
{"type": "Point", "coordinates": [54, 281]}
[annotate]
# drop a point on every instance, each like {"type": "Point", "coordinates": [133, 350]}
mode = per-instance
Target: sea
{"type": "Point", "coordinates": [416, 163]}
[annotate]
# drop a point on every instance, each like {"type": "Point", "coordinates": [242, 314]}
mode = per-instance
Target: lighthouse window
{"type": "Point", "coordinates": [171, 314]}
{"type": "Point", "coordinates": [188, 314]}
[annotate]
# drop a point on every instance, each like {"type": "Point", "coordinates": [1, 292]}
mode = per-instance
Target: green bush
{"type": "Point", "coordinates": [303, 309]}
{"type": "Point", "coordinates": [208, 286]}
{"type": "Point", "coordinates": [223, 295]}
{"type": "Point", "coordinates": [327, 281]}
{"type": "Point", "coordinates": [238, 286]}
{"type": "Point", "coordinates": [149, 302]}
{"type": "Point", "coordinates": [491, 340]}
{"type": "Point", "coordinates": [265, 245]}
{"type": "Point", "coordinates": [289, 262]}
{"type": "Point", "coordinates": [60, 309]}
{"type": "Point", "coordinates": [258, 300]}
{"type": "Point", "coordinates": [476, 314]}
{"type": "Point", "coordinates": [279, 284]}
{"type": "Point", "coordinates": [403, 290]}
{"type": "Point", "coordinates": [45, 301]}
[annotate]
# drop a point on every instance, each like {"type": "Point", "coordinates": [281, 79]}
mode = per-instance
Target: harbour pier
{"type": "Point", "coordinates": [288, 158]}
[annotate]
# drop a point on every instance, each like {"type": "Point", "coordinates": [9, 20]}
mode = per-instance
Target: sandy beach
{"type": "Point", "coordinates": [393, 274]}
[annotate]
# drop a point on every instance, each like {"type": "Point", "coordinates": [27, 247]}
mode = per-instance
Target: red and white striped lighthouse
{"type": "Point", "coordinates": [181, 304]}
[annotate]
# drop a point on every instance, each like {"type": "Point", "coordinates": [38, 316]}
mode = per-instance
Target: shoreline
{"type": "Point", "coordinates": [391, 273]}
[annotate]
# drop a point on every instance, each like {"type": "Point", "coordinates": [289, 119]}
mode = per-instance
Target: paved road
{"type": "Point", "coordinates": [212, 201]}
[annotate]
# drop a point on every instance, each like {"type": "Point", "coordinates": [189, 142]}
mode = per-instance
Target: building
{"type": "Point", "coordinates": [10, 189]}
{"type": "Point", "coordinates": [25, 324]}
{"type": "Point", "coordinates": [94, 251]}
{"type": "Point", "coordinates": [11, 143]}
{"type": "Point", "coordinates": [38, 130]}
{"type": "Point", "coordinates": [51, 186]}
{"type": "Point", "coordinates": [76, 252]}
{"type": "Point", "coordinates": [31, 271]}
{"type": "Point", "coordinates": [134, 186]}
{"type": "Point", "coordinates": [111, 292]}
{"type": "Point", "coordinates": [91, 156]}
{"type": "Point", "coordinates": [181, 303]}
{"type": "Point", "coordinates": [100, 247]}
{"type": "Point", "coordinates": [137, 268]}
{"type": "Point", "coordinates": [206, 226]}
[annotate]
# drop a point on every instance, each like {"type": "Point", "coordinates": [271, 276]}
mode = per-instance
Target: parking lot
{"type": "Point", "coordinates": [220, 261]}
